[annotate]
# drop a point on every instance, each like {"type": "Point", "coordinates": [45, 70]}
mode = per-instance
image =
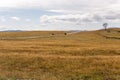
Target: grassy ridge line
{"type": "Point", "coordinates": [56, 34]}
{"type": "Point", "coordinates": [29, 33]}
{"type": "Point", "coordinates": [31, 37]}
{"type": "Point", "coordinates": [110, 33]}
{"type": "Point", "coordinates": [108, 37]}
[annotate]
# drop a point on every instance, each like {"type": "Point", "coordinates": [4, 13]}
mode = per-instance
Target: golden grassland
{"type": "Point", "coordinates": [88, 55]}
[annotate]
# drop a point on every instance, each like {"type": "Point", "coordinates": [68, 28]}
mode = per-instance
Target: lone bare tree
{"type": "Point", "coordinates": [105, 26]}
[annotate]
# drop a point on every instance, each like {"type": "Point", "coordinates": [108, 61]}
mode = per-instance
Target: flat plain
{"type": "Point", "coordinates": [60, 55]}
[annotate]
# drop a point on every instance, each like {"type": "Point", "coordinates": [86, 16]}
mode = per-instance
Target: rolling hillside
{"type": "Point", "coordinates": [60, 55]}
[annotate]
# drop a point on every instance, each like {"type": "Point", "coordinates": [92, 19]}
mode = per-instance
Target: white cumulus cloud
{"type": "Point", "coordinates": [15, 18]}
{"type": "Point", "coordinates": [65, 12]}
{"type": "Point", "coordinates": [2, 18]}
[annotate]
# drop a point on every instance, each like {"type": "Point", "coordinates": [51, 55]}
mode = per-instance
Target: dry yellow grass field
{"type": "Point", "coordinates": [40, 55]}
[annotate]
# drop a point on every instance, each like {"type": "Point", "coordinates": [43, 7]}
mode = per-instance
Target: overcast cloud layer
{"type": "Point", "coordinates": [58, 14]}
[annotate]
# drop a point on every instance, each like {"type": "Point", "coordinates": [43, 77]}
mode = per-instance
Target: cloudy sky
{"type": "Point", "coordinates": [58, 14]}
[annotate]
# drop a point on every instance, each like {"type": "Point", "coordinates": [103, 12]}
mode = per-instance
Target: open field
{"type": "Point", "coordinates": [88, 55]}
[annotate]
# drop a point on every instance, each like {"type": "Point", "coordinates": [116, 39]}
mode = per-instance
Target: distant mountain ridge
{"type": "Point", "coordinates": [11, 31]}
